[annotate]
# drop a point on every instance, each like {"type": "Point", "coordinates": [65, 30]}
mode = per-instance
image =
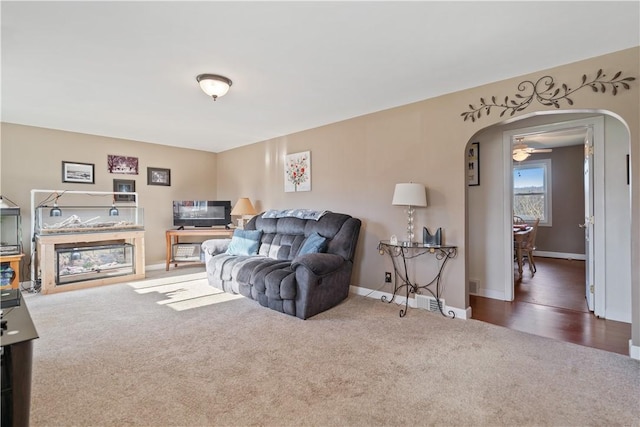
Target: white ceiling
{"type": "Point", "coordinates": [551, 139]}
{"type": "Point", "coordinates": [128, 69]}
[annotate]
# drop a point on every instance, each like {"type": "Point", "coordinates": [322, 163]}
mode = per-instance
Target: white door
{"type": "Point", "coordinates": [588, 218]}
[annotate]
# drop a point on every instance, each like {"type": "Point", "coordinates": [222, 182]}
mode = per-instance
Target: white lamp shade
{"type": "Point", "coordinates": [214, 85]}
{"type": "Point", "coordinates": [243, 207]}
{"type": "Point", "coordinates": [410, 194]}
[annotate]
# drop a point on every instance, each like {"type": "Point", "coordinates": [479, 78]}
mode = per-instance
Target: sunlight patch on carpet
{"type": "Point", "coordinates": [183, 292]}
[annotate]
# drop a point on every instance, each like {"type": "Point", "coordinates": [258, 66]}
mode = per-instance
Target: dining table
{"type": "Point", "coordinates": [521, 233]}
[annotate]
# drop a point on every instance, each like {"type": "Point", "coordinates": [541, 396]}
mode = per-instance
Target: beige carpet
{"type": "Point", "coordinates": [171, 351]}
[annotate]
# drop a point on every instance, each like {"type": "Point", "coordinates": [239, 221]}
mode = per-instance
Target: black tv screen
{"type": "Point", "coordinates": [201, 213]}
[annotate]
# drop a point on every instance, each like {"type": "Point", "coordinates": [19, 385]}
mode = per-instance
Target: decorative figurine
{"type": "Point", "coordinates": [432, 239]}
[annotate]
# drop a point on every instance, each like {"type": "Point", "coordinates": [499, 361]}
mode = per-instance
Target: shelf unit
{"type": "Point", "coordinates": [173, 243]}
{"type": "Point", "coordinates": [88, 238]}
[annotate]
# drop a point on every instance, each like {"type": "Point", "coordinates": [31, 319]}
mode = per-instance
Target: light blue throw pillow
{"type": "Point", "coordinates": [245, 242]}
{"type": "Point", "coordinates": [313, 244]}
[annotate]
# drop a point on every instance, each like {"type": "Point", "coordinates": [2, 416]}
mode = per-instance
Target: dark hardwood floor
{"type": "Point", "coordinates": [552, 304]}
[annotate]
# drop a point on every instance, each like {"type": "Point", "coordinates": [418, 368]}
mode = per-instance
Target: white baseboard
{"type": "Point", "coordinates": [618, 316]}
{"type": "Point", "coordinates": [459, 312]}
{"type": "Point", "coordinates": [634, 351]}
{"type": "Point", "coordinates": [489, 293]}
{"type": "Point", "coordinates": [161, 266]}
{"type": "Point", "coordinates": [560, 255]}
{"type": "Point", "coordinates": [155, 266]}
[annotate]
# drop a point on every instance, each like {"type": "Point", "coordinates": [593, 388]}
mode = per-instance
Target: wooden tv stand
{"type": "Point", "coordinates": [173, 238]}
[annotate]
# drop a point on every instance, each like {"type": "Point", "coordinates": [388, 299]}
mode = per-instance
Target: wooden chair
{"type": "Point", "coordinates": [529, 245]}
{"type": "Point", "coordinates": [517, 220]}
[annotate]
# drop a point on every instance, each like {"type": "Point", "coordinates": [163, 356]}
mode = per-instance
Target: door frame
{"type": "Point", "coordinates": [589, 215]}
{"type": "Point", "coordinates": [597, 124]}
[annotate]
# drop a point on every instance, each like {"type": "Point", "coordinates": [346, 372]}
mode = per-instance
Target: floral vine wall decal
{"type": "Point", "coordinates": [546, 92]}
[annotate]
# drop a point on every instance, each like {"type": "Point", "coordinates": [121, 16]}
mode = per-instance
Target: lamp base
{"type": "Point", "coordinates": [410, 233]}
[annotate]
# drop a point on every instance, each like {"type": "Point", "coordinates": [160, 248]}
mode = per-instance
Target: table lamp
{"type": "Point", "coordinates": [410, 195]}
{"type": "Point", "coordinates": [242, 208]}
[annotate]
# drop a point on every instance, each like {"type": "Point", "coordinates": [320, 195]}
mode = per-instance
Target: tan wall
{"type": "Point", "coordinates": [356, 163]}
{"type": "Point", "coordinates": [31, 158]}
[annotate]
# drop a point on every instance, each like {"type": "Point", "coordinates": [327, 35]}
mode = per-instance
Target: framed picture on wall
{"type": "Point", "coordinates": [297, 172]}
{"type": "Point", "coordinates": [159, 176]}
{"type": "Point", "coordinates": [122, 164]}
{"type": "Point", "coordinates": [81, 173]}
{"type": "Point", "coordinates": [473, 164]}
{"type": "Point", "coordinates": [628, 169]}
{"type": "Point", "coordinates": [124, 186]}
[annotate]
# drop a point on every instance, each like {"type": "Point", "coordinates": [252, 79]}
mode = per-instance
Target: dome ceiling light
{"type": "Point", "coordinates": [214, 85]}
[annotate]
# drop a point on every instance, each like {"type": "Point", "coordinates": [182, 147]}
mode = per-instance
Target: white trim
{"type": "Point", "coordinates": [156, 266]}
{"type": "Point", "coordinates": [378, 295]}
{"type": "Point", "coordinates": [489, 293]}
{"type": "Point", "coordinates": [634, 351]}
{"type": "Point", "coordinates": [560, 255]}
{"type": "Point", "coordinates": [507, 211]}
{"type": "Point", "coordinates": [400, 300]}
{"type": "Point", "coordinates": [599, 241]}
{"type": "Point", "coordinates": [619, 316]}
{"type": "Point", "coordinates": [547, 220]}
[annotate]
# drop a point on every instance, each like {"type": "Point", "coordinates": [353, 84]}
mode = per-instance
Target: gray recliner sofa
{"type": "Point", "coordinates": [285, 273]}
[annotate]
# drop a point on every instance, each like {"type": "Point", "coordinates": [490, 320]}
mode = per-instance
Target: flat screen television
{"type": "Point", "coordinates": [201, 213]}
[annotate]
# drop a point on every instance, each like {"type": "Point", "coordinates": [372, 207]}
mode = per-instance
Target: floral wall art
{"type": "Point", "coordinates": [297, 172]}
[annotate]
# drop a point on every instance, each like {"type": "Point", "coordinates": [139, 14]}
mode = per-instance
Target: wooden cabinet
{"type": "Point", "coordinates": [14, 263]}
{"type": "Point", "coordinates": [17, 358]}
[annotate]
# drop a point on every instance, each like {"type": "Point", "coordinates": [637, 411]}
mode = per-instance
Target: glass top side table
{"type": "Point", "coordinates": [399, 253]}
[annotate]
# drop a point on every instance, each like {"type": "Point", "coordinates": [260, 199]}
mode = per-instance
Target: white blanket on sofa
{"type": "Point", "coordinates": [294, 213]}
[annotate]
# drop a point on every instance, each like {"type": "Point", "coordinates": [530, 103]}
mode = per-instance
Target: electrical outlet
{"type": "Point", "coordinates": [387, 277]}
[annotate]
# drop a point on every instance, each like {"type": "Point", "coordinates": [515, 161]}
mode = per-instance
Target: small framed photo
{"type": "Point", "coordinates": [81, 173]}
{"type": "Point", "coordinates": [473, 164]}
{"type": "Point", "coordinates": [124, 186]}
{"type": "Point", "coordinates": [159, 176]}
{"type": "Point", "coordinates": [122, 164]}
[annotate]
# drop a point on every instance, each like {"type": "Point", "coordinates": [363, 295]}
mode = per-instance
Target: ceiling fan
{"type": "Point", "coordinates": [521, 151]}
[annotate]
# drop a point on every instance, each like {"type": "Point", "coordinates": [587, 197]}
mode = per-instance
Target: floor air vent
{"type": "Point", "coordinates": [473, 286]}
{"type": "Point", "coordinates": [428, 303]}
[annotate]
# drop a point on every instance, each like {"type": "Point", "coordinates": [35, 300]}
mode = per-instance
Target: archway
{"type": "Point", "coordinates": [488, 207]}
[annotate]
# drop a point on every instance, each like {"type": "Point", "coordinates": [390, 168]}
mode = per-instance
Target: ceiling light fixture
{"type": "Point", "coordinates": [214, 85]}
{"type": "Point", "coordinates": [521, 151]}
{"type": "Point", "coordinates": [520, 155]}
